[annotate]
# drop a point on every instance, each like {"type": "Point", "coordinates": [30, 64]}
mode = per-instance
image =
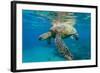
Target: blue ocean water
{"type": "Point", "coordinates": [34, 50]}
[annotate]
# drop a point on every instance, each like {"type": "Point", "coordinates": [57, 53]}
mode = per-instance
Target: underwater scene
{"type": "Point", "coordinates": [49, 36]}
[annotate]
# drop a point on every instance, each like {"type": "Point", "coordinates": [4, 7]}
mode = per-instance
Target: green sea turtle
{"type": "Point", "coordinates": [59, 31]}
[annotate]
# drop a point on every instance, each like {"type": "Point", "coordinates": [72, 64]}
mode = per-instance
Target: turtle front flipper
{"type": "Point", "coordinates": [44, 36]}
{"type": "Point", "coordinates": [62, 48]}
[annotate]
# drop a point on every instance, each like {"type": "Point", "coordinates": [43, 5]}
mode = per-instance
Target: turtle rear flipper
{"type": "Point", "coordinates": [62, 48]}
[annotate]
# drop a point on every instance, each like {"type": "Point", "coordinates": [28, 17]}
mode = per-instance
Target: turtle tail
{"type": "Point", "coordinates": [62, 48]}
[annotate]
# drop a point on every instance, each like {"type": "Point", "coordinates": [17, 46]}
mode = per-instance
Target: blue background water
{"type": "Point", "coordinates": [35, 50]}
